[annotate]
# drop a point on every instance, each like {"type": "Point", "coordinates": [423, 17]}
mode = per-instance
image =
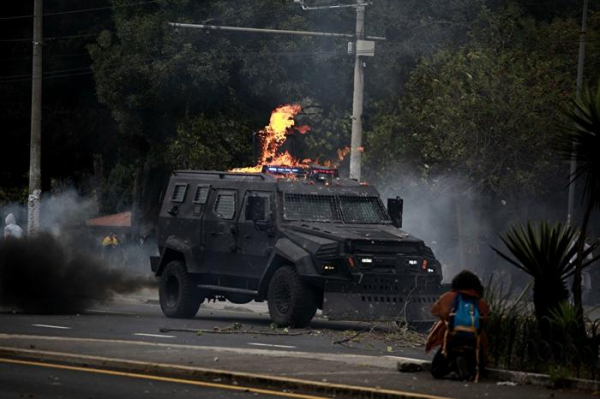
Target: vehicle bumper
{"type": "Point", "coordinates": [379, 298]}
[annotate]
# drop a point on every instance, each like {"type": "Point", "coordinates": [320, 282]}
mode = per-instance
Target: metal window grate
{"type": "Point", "coordinates": [266, 196]}
{"type": "Point", "coordinates": [319, 208]}
{"type": "Point", "coordinates": [179, 192]}
{"type": "Point", "coordinates": [225, 205]}
{"type": "Point", "coordinates": [201, 194]}
{"type": "Point", "coordinates": [362, 209]}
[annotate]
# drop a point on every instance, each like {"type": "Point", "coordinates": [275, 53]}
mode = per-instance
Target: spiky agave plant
{"type": "Point", "coordinates": [546, 252]}
{"type": "Point", "coordinates": [582, 133]}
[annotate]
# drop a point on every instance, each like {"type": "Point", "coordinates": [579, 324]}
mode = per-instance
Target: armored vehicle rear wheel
{"type": "Point", "coordinates": [291, 301]}
{"type": "Point", "coordinates": [178, 294]}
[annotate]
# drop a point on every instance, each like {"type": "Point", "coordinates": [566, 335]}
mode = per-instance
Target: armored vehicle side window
{"type": "Point", "coordinates": [179, 192]}
{"type": "Point", "coordinates": [263, 194]}
{"type": "Point", "coordinates": [225, 204]}
{"type": "Point", "coordinates": [201, 194]}
{"type": "Point", "coordinates": [308, 207]}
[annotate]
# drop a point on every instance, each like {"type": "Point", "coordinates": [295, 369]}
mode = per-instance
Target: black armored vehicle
{"type": "Point", "coordinates": [300, 238]}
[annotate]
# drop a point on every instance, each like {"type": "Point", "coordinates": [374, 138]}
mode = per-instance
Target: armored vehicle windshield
{"type": "Point", "coordinates": [334, 208]}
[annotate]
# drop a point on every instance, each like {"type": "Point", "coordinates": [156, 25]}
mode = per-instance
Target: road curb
{"type": "Point", "coordinates": [211, 375]}
{"type": "Point", "coordinates": [518, 377]}
{"type": "Point", "coordinates": [543, 380]}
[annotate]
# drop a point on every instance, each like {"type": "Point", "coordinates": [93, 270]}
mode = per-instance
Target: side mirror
{"type": "Point", "coordinates": [395, 209]}
{"type": "Point", "coordinates": [256, 209]}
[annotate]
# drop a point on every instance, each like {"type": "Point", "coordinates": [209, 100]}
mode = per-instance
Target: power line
{"type": "Point", "coordinates": [47, 55]}
{"type": "Point", "coordinates": [51, 38]}
{"type": "Point", "coordinates": [81, 11]}
{"type": "Point", "coordinates": [61, 73]}
{"type": "Point", "coordinates": [47, 77]}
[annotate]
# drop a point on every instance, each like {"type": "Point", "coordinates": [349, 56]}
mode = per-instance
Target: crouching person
{"type": "Point", "coordinates": [460, 331]}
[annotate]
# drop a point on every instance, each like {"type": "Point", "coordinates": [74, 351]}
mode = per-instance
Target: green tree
{"type": "Point", "coordinates": [484, 113]}
{"type": "Point", "coordinates": [210, 144]}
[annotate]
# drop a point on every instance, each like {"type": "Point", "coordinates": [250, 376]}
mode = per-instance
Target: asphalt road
{"type": "Point", "coordinates": [133, 329]}
{"type": "Point", "coordinates": [38, 381]}
{"type": "Point", "coordinates": [145, 322]}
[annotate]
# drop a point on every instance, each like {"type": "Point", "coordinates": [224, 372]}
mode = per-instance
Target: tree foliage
{"type": "Point", "coordinates": [485, 111]}
{"type": "Point", "coordinates": [462, 87]}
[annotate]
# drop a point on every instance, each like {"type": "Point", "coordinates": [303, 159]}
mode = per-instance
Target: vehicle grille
{"type": "Point", "coordinates": [327, 251]}
{"type": "Point", "coordinates": [374, 247]}
{"type": "Point", "coordinates": [374, 285]}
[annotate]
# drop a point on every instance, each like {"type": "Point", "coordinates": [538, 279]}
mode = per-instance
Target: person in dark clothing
{"type": "Point", "coordinates": [460, 332]}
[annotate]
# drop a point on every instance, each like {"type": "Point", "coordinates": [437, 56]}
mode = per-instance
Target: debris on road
{"type": "Point", "coordinates": [236, 330]}
{"type": "Point", "coordinates": [409, 367]}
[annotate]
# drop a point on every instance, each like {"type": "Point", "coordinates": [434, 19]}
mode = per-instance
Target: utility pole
{"type": "Point", "coordinates": [580, 65]}
{"type": "Point", "coordinates": [35, 173]}
{"type": "Point", "coordinates": [363, 46]}
{"type": "Point", "coordinates": [358, 99]}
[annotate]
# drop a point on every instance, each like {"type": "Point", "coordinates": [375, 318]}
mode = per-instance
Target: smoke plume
{"type": "Point", "coordinates": [40, 275]}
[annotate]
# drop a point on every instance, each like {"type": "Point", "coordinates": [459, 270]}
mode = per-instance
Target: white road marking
{"type": "Point", "coordinates": [108, 312]}
{"type": "Point", "coordinates": [408, 359]}
{"type": "Point", "coordinates": [378, 361]}
{"type": "Point", "coordinates": [49, 326]}
{"type": "Point", "coordinates": [154, 335]}
{"type": "Point", "coordinates": [271, 345]}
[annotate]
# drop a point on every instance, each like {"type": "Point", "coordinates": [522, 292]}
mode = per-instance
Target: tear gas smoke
{"type": "Point", "coordinates": [460, 224]}
{"type": "Point", "coordinates": [40, 275]}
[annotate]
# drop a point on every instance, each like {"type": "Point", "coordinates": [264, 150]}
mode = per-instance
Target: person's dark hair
{"type": "Point", "coordinates": [467, 280]}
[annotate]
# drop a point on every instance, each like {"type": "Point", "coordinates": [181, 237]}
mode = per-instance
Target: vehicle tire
{"type": "Point", "coordinates": [179, 296]}
{"type": "Point", "coordinates": [292, 302]}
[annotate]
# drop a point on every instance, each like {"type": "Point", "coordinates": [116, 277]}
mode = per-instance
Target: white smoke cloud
{"type": "Point", "coordinates": [63, 215]}
{"type": "Point", "coordinates": [431, 213]}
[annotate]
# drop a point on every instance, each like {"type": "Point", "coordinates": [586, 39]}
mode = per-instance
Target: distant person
{"type": "Point", "coordinates": [110, 241]}
{"type": "Point", "coordinates": [460, 330]}
{"type": "Point", "coordinates": [109, 244]}
{"type": "Point", "coordinates": [12, 229]}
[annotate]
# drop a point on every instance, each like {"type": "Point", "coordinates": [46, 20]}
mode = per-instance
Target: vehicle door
{"type": "Point", "coordinates": [197, 213]}
{"type": "Point", "coordinates": [256, 239]}
{"type": "Point", "coordinates": [220, 230]}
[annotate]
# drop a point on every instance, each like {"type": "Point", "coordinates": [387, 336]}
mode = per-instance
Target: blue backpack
{"type": "Point", "coordinates": [464, 317]}
{"type": "Point", "coordinates": [463, 326]}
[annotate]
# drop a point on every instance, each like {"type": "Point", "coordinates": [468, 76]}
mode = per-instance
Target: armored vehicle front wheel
{"type": "Point", "coordinates": [291, 301]}
{"type": "Point", "coordinates": [178, 294]}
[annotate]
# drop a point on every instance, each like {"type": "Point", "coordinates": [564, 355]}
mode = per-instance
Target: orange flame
{"type": "Point", "coordinates": [342, 152]}
{"type": "Point", "coordinates": [273, 136]}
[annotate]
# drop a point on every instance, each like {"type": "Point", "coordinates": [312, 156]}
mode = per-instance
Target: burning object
{"type": "Point", "coordinates": [277, 161]}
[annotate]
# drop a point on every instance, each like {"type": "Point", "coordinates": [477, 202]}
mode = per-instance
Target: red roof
{"type": "Point", "coordinates": [122, 219]}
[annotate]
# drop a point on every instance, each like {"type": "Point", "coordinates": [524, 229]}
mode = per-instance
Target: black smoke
{"type": "Point", "coordinates": [41, 275]}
